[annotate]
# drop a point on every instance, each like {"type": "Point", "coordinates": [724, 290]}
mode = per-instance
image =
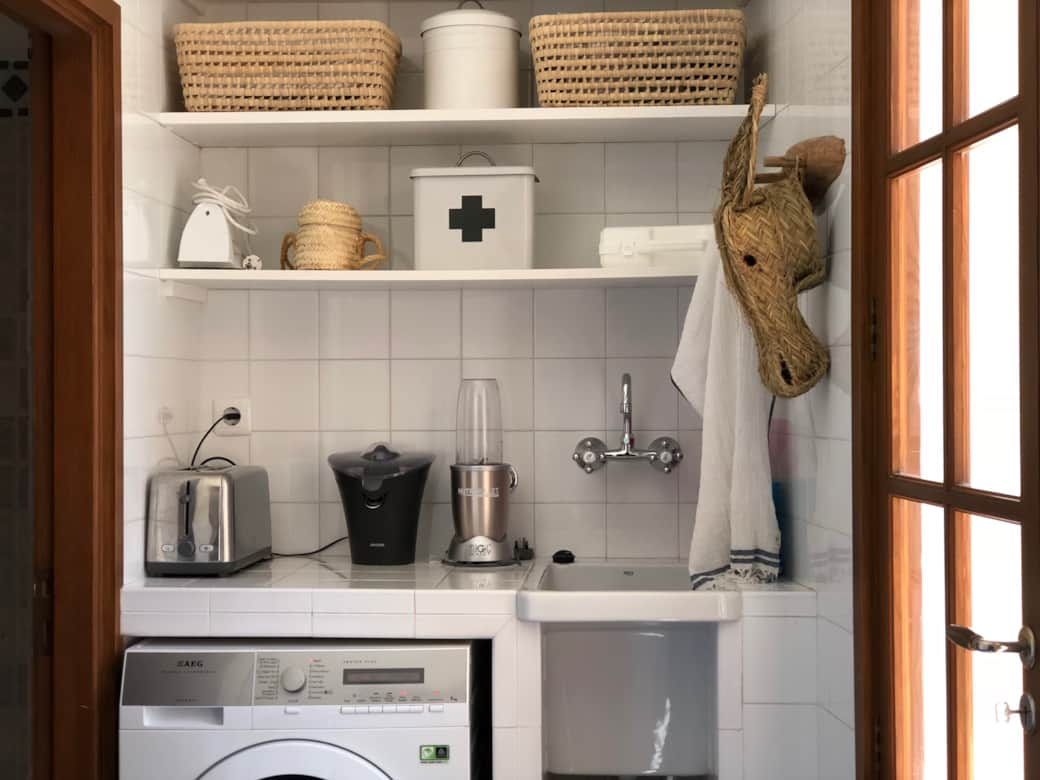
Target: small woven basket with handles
{"type": "Point", "coordinates": [638, 58]}
{"type": "Point", "coordinates": [282, 66]}
{"type": "Point", "coordinates": [330, 238]}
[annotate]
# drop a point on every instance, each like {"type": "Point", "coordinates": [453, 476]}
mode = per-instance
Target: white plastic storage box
{"type": "Point", "coordinates": [471, 59]}
{"type": "Point", "coordinates": [663, 245]}
{"type": "Point", "coordinates": [474, 217]}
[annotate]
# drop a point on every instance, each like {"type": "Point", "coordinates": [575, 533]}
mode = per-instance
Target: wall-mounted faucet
{"type": "Point", "coordinates": [592, 454]}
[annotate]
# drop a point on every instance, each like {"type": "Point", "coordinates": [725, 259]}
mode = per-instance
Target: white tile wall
{"type": "Point", "coordinates": [810, 442]}
{"type": "Point", "coordinates": [334, 371]}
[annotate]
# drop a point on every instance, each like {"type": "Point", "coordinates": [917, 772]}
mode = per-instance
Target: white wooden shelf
{"type": "Point", "coordinates": [449, 126]}
{"type": "Point", "coordinates": [183, 281]}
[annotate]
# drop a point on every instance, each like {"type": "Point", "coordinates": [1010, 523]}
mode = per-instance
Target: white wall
{"type": "Point", "coordinates": [805, 47]}
{"type": "Point", "coordinates": [160, 335]}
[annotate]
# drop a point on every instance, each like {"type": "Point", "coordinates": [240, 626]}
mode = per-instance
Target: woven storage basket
{"type": "Point", "coordinates": [638, 58]}
{"type": "Point", "coordinates": [330, 239]}
{"type": "Point", "coordinates": [279, 66]}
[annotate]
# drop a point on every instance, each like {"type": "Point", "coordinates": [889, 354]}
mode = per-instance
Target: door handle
{"type": "Point", "coordinates": [1025, 647]}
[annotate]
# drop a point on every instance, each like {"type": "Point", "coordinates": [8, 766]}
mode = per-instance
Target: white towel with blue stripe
{"type": "Point", "coordinates": [735, 534]}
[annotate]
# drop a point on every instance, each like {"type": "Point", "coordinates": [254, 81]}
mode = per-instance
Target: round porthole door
{"type": "Point", "coordinates": [294, 759]}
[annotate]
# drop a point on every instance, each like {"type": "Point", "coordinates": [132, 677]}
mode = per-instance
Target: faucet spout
{"type": "Point", "coordinates": [628, 441]}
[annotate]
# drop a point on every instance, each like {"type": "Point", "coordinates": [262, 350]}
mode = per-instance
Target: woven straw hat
{"type": "Point", "coordinates": [770, 253]}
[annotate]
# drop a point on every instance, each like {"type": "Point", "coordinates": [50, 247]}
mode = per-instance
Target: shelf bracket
{"type": "Point", "coordinates": [184, 292]}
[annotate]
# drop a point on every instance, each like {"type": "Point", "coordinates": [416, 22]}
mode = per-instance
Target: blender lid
{"type": "Point", "coordinates": [378, 460]}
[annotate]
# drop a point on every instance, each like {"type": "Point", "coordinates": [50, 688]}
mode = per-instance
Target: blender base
{"type": "Point", "coordinates": [480, 552]}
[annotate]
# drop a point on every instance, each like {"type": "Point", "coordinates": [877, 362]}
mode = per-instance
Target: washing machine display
{"type": "Point", "coordinates": [321, 710]}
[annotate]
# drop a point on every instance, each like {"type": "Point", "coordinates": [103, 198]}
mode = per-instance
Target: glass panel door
{"type": "Point", "coordinates": [957, 474]}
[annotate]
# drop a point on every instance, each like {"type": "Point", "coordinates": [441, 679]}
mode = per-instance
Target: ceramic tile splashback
{"type": "Point", "coordinates": [810, 441]}
{"type": "Point", "coordinates": [339, 370]}
{"type": "Point", "coordinates": [161, 335]}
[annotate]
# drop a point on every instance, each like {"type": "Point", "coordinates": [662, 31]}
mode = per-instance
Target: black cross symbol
{"type": "Point", "coordinates": [472, 219]}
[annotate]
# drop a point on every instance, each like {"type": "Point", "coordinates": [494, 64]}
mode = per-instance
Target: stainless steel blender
{"type": "Point", "coordinates": [481, 484]}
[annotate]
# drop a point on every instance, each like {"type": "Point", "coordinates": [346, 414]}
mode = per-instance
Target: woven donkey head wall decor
{"type": "Point", "coordinates": [770, 253]}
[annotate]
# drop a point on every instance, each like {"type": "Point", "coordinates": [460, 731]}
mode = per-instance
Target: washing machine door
{"type": "Point", "coordinates": [294, 759]}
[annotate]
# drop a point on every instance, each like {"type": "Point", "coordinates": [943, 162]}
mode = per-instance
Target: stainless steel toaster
{"type": "Point", "coordinates": [207, 520]}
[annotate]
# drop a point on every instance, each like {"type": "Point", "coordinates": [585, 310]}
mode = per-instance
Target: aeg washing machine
{"type": "Point", "coordinates": [364, 710]}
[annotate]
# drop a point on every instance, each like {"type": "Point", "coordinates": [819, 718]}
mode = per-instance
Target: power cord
{"type": "Point", "coordinates": [312, 552]}
{"type": "Point", "coordinates": [231, 416]}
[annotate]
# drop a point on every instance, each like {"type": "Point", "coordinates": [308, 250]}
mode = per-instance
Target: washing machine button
{"type": "Point", "coordinates": [390, 708]}
{"type": "Point", "coordinates": [292, 710]}
{"type": "Point", "coordinates": [361, 709]}
{"type": "Point", "coordinates": [436, 708]}
{"type": "Point", "coordinates": [347, 710]}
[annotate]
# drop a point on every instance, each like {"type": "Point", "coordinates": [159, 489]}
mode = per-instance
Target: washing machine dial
{"type": "Point", "coordinates": [293, 679]}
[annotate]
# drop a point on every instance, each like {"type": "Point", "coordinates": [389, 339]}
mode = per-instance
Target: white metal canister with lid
{"type": "Point", "coordinates": [471, 59]}
{"type": "Point", "coordinates": [474, 217]}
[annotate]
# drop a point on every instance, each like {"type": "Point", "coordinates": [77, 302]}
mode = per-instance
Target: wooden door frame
{"type": "Point", "coordinates": [873, 568]}
{"type": "Point", "coordinates": [78, 428]}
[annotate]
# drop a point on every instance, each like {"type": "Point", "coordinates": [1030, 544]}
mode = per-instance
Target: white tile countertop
{"type": "Point", "coordinates": [327, 595]}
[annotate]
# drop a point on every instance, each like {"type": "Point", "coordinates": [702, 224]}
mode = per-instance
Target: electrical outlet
{"type": "Point", "coordinates": [244, 427]}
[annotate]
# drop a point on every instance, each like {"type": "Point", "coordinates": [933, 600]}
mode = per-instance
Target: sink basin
{"type": "Point", "coordinates": [613, 592]}
{"type": "Point", "coordinates": [607, 577]}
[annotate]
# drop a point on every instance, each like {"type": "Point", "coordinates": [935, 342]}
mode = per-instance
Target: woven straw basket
{"type": "Point", "coordinates": [279, 66]}
{"type": "Point", "coordinates": [638, 58]}
{"type": "Point", "coordinates": [330, 239]}
{"type": "Point", "coordinates": [770, 253]}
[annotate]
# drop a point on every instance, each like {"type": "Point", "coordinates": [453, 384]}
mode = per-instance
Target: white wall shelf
{"type": "Point", "coordinates": [179, 279]}
{"type": "Point", "coordinates": [449, 126]}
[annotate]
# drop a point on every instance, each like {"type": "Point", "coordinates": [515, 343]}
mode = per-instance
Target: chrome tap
{"type": "Point", "coordinates": [592, 454]}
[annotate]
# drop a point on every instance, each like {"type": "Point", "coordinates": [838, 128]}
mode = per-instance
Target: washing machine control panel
{"type": "Point", "coordinates": [401, 678]}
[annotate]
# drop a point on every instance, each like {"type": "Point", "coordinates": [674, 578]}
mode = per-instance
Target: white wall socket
{"type": "Point", "coordinates": [244, 426]}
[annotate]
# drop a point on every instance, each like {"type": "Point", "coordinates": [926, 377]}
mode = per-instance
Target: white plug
{"type": "Point", "coordinates": [243, 427]}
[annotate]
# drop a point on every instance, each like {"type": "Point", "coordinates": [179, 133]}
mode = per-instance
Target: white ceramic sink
{"type": "Point", "coordinates": [620, 592]}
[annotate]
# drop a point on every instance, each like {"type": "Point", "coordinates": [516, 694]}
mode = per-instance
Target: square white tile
{"type": "Point", "coordinates": [220, 380]}
{"type": "Point", "coordinates": [580, 528]}
{"type": "Point", "coordinates": [284, 395]}
{"type": "Point", "coordinates": [641, 177]}
{"type": "Point", "coordinates": [267, 243]}
{"type": "Point", "coordinates": [569, 323]}
{"type": "Point", "coordinates": [699, 174]}
{"type": "Point", "coordinates": [641, 530]}
{"type": "Point", "coordinates": [567, 240]}
{"type": "Point", "coordinates": [654, 398]}
{"type": "Point", "coordinates": [836, 670]}
{"type": "Point", "coordinates": [402, 243]}
{"type": "Point", "coordinates": [641, 322]}
{"type": "Point", "coordinates": [780, 660]}
{"type": "Point", "coordinates": [423, 394]}
{"type": "Point", "coordinates": [837, 754]}
{"type": "Point", "coordinates": [425, 324]}
{"type": "Point", "coordinates": [378, 10]}
{"type": "Point", "coordinates": [571, 178]}
{"type": "Point", "coordinates": [281, 180]}
{"type": "Point", "coordinates": [283, 325]}
{"type": "Point", "coordinates": [354, 395]}
{"type": "Point", "coordinates": [780, 742]}
{"type": "Point", "coordinates": [568, 394]}
{"type": "Point", "coordinates": [557, 478]}
{"type": "Point", "coordinates": [225, 325]}
{"type": "Point", "coordinates": [224, 167]}
{"type": "Point", "coordinates": [497, 323]}
{"type": "Point", "coordinates": [515, 386]}
{"type": "Point", "coordinates": [291, 460]}
{"type": "Point", "coordinates": [358, 175]}
{"type": "Point", "coordinates": [639, 482]}
{"type": "Point", "coordinates": [354, 324]}
{"type": "Point", "coordinates": [295, 528]}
